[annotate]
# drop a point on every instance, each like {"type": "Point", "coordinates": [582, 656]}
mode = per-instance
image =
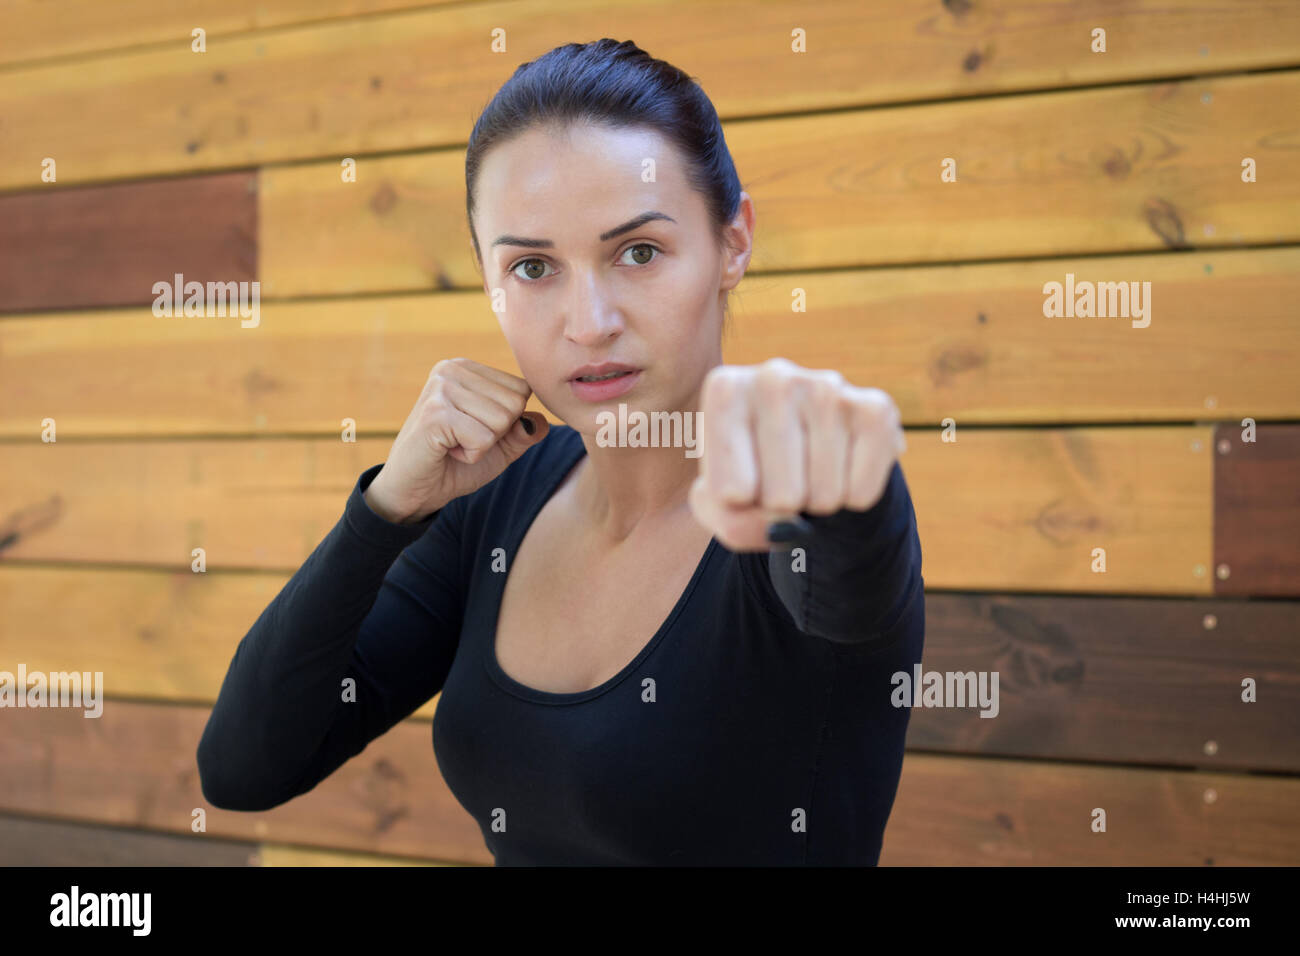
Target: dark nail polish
{"type": "Point", "coordinates": [787, 532]}
{"type": "Point", "coordinates": [528, 425]}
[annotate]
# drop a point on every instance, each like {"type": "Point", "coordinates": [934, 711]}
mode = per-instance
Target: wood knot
{"type": "Point", "coordinates": [384, 199]}
{"type": "Point", "coordinates": [953, 361]}
{"type": "Point", "coordinates": [1164, 221]}
{"type": "Point", "coordinates": [1117, 165]}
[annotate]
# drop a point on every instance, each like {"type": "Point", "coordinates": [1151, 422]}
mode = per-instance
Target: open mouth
{"type": "Point", "coordinates": [602, 378]}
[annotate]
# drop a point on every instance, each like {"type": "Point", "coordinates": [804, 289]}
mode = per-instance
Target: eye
{"type": "Point", "coordinates": [524, 262]}
{"type": "Point", "coordinates": [653, 249]}
{"type": "Point", "coordinates": [643, 245]}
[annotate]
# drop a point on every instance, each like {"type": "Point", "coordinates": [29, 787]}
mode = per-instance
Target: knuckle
{"type": "Point", "coordinates": [445, 367]}
{"type": "Point", "coordinates": [775, 381]}
{"type": "Point", "coordinates": [784, 498]}
{"type": "Point", "coordinates": [724, 381]}
{"type": "Point", "coordinates": [827, 379]}
{"type": "Point", "coordinates": [874, 406]}
{"type": "Point", "coordinates": [826, 392]}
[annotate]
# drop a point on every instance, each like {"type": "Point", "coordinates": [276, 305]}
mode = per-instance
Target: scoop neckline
{"type": "Point", "coordinates": [489, 655]}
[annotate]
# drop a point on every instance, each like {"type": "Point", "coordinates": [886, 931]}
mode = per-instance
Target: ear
{"type": "Point", "coordinates": [739, 236]}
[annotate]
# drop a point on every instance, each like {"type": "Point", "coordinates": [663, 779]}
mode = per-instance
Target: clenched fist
{"type": "Point", "coordinates": [465, 428]}
{"type": "Point", "coordinates": [779, 439]}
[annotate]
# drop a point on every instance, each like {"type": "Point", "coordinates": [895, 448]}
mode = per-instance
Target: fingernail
{"type": "Point", "coordinates": [528, 425]}
{"type": "Point", "coordinates": [784, 532]}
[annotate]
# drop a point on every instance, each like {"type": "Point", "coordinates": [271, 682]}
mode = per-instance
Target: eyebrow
{"type": "Point", "coordinates": [628, 226]}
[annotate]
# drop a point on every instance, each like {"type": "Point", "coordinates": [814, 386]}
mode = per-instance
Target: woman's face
{"type": "Point", "coordinates": [580, 276]}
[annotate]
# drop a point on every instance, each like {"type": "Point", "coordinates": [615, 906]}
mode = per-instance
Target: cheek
{"type": "Point", "coordinates": [697, 305]}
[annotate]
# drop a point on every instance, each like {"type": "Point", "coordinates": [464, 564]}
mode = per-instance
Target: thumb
{"type": "Point", "coordinates": [517, 440]}
{"type": "Point", "coordinates": [738, 528]}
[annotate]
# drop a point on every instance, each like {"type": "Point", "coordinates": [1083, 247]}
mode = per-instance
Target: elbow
{"type": "Point", "coordinates": [224, 787]}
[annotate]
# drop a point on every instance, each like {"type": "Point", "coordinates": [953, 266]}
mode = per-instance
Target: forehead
{"type": "Point", "coordinates": [547, 177]}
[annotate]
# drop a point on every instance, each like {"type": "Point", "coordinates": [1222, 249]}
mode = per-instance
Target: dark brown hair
{"type": "Point", "coordinates": [620, 85]}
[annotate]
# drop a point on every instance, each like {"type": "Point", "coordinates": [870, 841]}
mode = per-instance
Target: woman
{"type": "Point", "coordinates": [637, 664]}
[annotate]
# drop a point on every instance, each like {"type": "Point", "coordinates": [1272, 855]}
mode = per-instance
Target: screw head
{"type": "Point", "coordinates": [1211, 401]}
{"type": "Point", "coordinates": [1196, 444]}
{"type": "Point", "coordinates": [1199, 571]}
{"type": "Point", "coordinates": [1210, 622]}
{"type": "Point", "coordinates": [1211, 747]}
{"type": "Point", "coordinates": [1222, 572]}
{"type": "Point", "coordinates": [1211, 795]}
{"type": "Point", "coordinates": [1224, 446]}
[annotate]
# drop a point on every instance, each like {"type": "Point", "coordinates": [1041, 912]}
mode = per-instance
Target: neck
{"type": "Point", "coordinates": [623, 489]}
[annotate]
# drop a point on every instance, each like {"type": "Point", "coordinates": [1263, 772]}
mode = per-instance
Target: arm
{"type": "Point", "coordinates": [376, 601]}
{"type": "Point", "coordinates": [862, 581]}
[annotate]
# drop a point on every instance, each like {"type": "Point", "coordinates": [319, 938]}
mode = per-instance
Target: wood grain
{"type": "Point", "coordinates": [1118, 680]}
{"type": "Point", "coordinates": [38, 29]}
{"type": "Point", "coordinates": [415, 79]}
{"type": "Point", "coordinates": [1124, 169]}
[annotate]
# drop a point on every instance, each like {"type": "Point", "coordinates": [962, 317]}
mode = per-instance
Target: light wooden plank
{"type": "Point", "coordinates": [415, 79]}
{"type": "Point", "coordinates": [273, 854]}
{"type": "Point", "coordinates": [1026, 510]}
{"type": "Point", "coordinates": [1095, 171]}
{"type": "Point", "coordinates": [40, 29]}
{"type": "Point", "coordinates": [1013, 509]}
{"type": "Point", "coordinates": [152, 635]}
{"type": "Point", "coordinates": [969, 343]}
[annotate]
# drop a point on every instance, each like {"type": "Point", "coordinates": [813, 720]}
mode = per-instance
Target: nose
{"type": "Point", "coordinates": [592, 318]}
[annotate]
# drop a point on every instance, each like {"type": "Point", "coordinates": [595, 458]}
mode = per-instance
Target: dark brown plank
{"type": "Point", "coordinates": [1257, 511]}
{"type": "Point", "coordinates": [1122, 680]}
{"type": "Point", "coordinates": [107, 245]}
{"type": "Point", "coordinates": [26, 841]}
{"type": "Point", "coordinates": [954, 811]}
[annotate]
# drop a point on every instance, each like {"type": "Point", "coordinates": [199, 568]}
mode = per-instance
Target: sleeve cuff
{"type": "Point", "coordinates": [864, 527]}
{"type": "Point", "coordinates": [373, 529]}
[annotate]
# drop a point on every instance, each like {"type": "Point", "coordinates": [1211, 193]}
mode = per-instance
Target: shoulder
{"type": "Point", "coordinates": [534, 474]}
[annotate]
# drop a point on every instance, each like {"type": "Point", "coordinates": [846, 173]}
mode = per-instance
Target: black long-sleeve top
{"type": "Point", "coordinates": [754, 728]}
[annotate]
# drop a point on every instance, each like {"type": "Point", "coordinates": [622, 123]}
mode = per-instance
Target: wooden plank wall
{"type": "Point", "coordinates": [1174, 447]}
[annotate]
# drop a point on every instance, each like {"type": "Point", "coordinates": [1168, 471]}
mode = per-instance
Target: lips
{"type": "Point", "coordinates": [602, 383]}
{"type": "Point", "coordinates": [606, 371]}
